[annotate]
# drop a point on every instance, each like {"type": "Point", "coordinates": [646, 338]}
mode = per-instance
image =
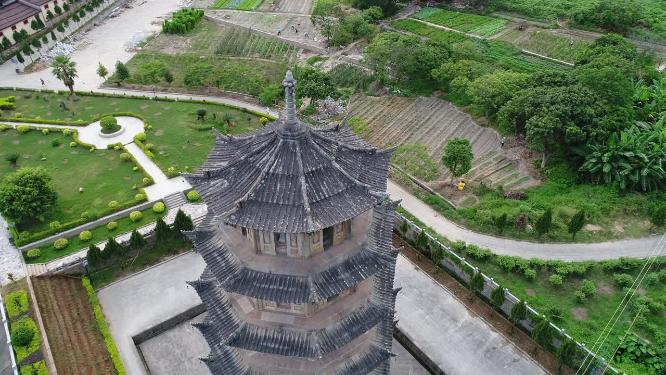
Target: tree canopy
{"type": "Point", "coordinates": [458, 157]}
{"type": "Point", "coordinates": [27, 194]}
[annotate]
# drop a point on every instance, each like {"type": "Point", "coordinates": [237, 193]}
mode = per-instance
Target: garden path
{"type": "Point", "coordinates": [11, 260]}
{"type": "Point", "coordinates": [635, 248]}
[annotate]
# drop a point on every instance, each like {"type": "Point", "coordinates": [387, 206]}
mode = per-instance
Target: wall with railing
{"type": "Point", "coordinates": [464, 271]}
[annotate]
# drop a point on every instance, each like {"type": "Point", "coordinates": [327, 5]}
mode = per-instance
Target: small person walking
{"type": "Point", "coordinates": [502, 142]}
{"type": "Point", "coordinates": [43, 83]}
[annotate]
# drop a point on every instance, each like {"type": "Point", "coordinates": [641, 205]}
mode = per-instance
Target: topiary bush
{"type": "Point", "coordinates": [125, 156]}
{"type": "Point", "coordinates": [193, 196]}
{"type": "Point", "coordinates": [588, 288]}
{"type": "Point", "coordinates": [22, 335]}
{"type": "Point", "coordinates": [73, 144]}
{"type": "Point", "coordinates": [33, 253]}
{"type": "Point", "coordinates": [85, 236]}
{"type": "Point", "coordinates": [159, 207]}
{"type": "Point", "coordinates": [22, 129]}
{"type": "Point", "coordinates": [109, 124]}
{"type": "Point", "coordinates": [60, 243]}
{"type": "Point", "coordinates": [135, 216]}
{"type": "Point", "coordinates": [556, 279]}
{"type": "Point", "coordinates": [141, 137]}
{"type": "Point", "coordinates": [112, 225]}
{"type": "Point", "coordinates": [113, 204]}
{"type": "Point", "coordinates": [623, 280]}
{"type": "Point", "coordinates": [140, 197]}
{"type": "Point", "coordinates": [45, 131]}
{"type": "Point", "coordinates": [147, 181]}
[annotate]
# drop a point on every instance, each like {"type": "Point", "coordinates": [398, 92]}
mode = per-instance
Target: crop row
{"type": "Point", "coordinates": [467, 22]}
{"type": "Point", "coordinates": [238, 42]}
{"type": "Point", "coordinates": [422, 29]}
{"type": "Point", "coordinates": [237, 4]}
{"type": "Point", "coordinates": [547, 44]}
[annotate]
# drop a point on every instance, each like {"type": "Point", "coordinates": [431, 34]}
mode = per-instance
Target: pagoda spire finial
{"type": "Point", "coordinates": [289, 84]}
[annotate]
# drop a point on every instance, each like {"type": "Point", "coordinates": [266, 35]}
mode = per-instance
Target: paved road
{"type": "Point", "coordinates": [637, 248]}
{"type": "Point", "coordinates": [459, 341]}
{"type": "Point", "coordinates": [11, 260]}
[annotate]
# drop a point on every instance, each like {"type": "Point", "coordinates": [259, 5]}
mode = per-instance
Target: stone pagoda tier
{"type": "Point", "coordinates": [297, 243]}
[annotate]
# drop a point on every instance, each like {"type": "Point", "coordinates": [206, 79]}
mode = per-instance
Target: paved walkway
{"type": "Point", "coordinates": [636, 248]}
{"type": "Point", "coordinates": [11, 260]}
{"type": "Point", "coordinates": [457, 340]}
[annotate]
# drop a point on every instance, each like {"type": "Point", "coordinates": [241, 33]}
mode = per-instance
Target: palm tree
{"type": "Point", "coordinates": [65, 70]}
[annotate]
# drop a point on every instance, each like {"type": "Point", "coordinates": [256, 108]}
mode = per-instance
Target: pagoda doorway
{"type": "Point", "coordinates": [328, 237]}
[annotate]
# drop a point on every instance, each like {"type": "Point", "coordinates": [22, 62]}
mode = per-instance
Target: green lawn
{"type": "Point", "coordinates": [101, 233]}
{"type": "Point", "coordinates": [179, 138]}
{"type": "Point", "coordinates": [101, 174]}
{"type": "Point", "coordinates": [194, 71]}
{"type": "Point", "coordinates": [467, 22]}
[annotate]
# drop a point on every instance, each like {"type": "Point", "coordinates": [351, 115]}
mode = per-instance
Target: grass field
{"type": "Point", "coordinates": [546, 43]}
{"type": "Point", "coordinates": [466, 22]}
{"type": "Point", "coordinates": [179, 138]}
{"type": "Point", "coordinates": [101, 174]}
{"type": "Point", "coordinates": [193, 71]}
{"type": "Point", "coordinates": [422, 29]}
{"type": "Point", "coordinates": [77, 346]}
{"type": "Point", "coordinates": [237, 4]}
{"type": "Point", "coordinates": [101, 233]}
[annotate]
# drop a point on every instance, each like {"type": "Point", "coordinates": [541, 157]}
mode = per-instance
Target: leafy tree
{"type": "Point", "coordinates": [65, 70]}
{"type": "Point", "coordinates": [492, 91]}
{"type": "Point", "coordinates": [26, 194]}
{"type": "Point", "coordinates": [271, 94]}
{"type": "Point", "coordinates": [576, 223]}
{"type": "Point", "coordinates": [314, 84]}
{"type": "Point", "coordinates": [611, 15]}
{"type": "Point", "coordinates": [544, 223]}
{"type": "Point", "coordinates": [162, 231]}
{"type": "Point", "coordinates": [389, 7]}
{"type": "Point", "coordinates": [632, 160]}
{"type": "Point", "coordinates": [102, 71]}
{"type": "Point", "coordinates": [498, 296]}
{"type": "Point", "coordinates": [113, 249]}
{"type": "Point", "coordinates": [458, 157]}
{"type": "Point", "coordinates": [19, 57]}
{"type": "Point", "coordinates": [122, 73]}
{"type": "Point", "coordinates": [136, 240]}
{"type": "Point", "coordinates": [325, 16]}
{"type": "Point", "coordinates": [168, 76]}
{"type": "Point", "coordinates": [94, 256]}
{"type": "Point", "coordinates": [182, 222]}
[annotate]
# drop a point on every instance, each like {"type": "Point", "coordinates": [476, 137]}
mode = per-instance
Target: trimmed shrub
{"type": "Point", "coordinates": [22, 129]}
{"type": "Point", "coordinates": [529, 273]}
{"type": "Point", "coordinates": [623, 280]}
{"type": "Point", "coordinates": [141, 137]}
{"type": "Point", "coordinates": [172, 172]}
{"type": "Point", "coordinates": [580, 296]}
{"type": "Point", "coordinates": [478, 253]}
{"type": "Point", "coordinates": [125, 156]}
{"type": "Point", "coordinates": [45, 131]}
{"type": "Point", "coordinates": [55, 225]}
{"type": "Point", "coordinates": [85, 236]}
{"type": "Point", "coordinates": [73, 144]}
{"type": "Point", "coordinates": [112, 225]}
{"type": "Point", "coordinates": [556, 279]}
{"type": "Point", "coordinates": [135, 216]}
{"type": "Point", "coordinates": [60, 243]}
{"type": "Point", "coordinates": [17, 303]}
{"type": "Point", "coordinates": [159, 207]}
{"type": "Point", "coordinates": [588, 288]}
{"type": "Point", "coordinates": [193, 196]}
{"type": "Point", "coordinates": [33, 253]}
{"type": "Point", "coordinates": [140, 197]}
{"type": "Point", "coordinates": [22, 335]}
{"type": "Point", "coordinates": [113, 204]}
{"type": "Point", "coordinates": [147, 181]}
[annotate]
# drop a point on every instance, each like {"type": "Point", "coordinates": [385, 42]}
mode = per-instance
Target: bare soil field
{"type": "Point", "coordinates": [77, 345]}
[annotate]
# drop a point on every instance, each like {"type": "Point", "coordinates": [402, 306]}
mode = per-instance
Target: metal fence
{"type": "Point", "coordinates": [457, 265]}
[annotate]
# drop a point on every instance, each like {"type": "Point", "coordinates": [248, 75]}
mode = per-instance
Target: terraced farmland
{"type": "Point", "coordinates": [466, 22]}
{"type": "Point", "coordinates": [546, 43]}
{"type": "Point", "coordinates": [236, 41]}
{"type": "Point", "coordinates": [433, 122]}
{"type": "Point", "coordinates": [77, 345]}
{"type": "Point", "coordinates": [288, 6]}
{"type": "Point", "coordinates": [237, 4]}
{"type": "Point", "coordinates": [422, 29]}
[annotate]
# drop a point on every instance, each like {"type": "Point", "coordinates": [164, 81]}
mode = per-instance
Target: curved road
{"type": "Point", "coordinates": [635, 248]}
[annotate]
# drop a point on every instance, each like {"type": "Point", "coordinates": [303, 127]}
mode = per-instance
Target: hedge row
{"type": "Point", "coordinates": [103, 327]}
{"type": "Point", "coordinates": [21, 240]}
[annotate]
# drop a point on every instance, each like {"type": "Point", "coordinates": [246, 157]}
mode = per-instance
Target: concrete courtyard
{"type": "Point", "coordinates": [441, 326]}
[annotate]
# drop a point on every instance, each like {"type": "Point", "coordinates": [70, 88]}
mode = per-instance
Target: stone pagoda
{"type": "Point", "coordinates": [297, 244]}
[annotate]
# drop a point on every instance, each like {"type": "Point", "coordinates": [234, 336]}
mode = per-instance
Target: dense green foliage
{"type": "Point", "coordinates": [415, 160]}
{"type": "Point", "coordinates": [26, 194]}
{"type": "Point", "coordinates": [341, 25]}
{"type": "Point", "coordinates": [16, 303]}
{"type": "Point", "coordinates": [457, 157]}
{"type": "Point", "coordinates": [182, 21]}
